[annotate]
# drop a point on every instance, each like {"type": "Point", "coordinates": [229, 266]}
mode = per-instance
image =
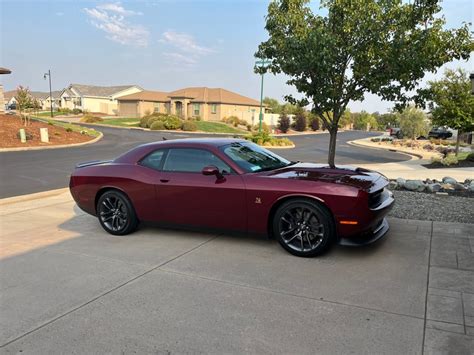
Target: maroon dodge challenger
{"type": "Point", "coordinates": [232, 184]}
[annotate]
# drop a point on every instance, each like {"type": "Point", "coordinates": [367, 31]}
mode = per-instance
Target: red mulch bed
{"type": "Point", "coordinates": [10, 125]}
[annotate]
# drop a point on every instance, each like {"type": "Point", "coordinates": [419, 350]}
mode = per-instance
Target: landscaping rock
{"type": "Point", "coordinates": [401, 182]}
{"type": "Point", "coordinates": [449, 180]}
{"type": "Point", "coordinates": [393, 185]}
{"type": "Point", "coordinates": [459, 187]}
{"type": "Point", "coordinates": [415, 185]}
{"type": "Point", "coordinates": [433, 187]}
{"type": "Point", "coordinates": [447, 187]}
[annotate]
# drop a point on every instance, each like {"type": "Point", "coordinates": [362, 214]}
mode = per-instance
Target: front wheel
{"type": "Point", "coordinates": [116, 213]}
{"type": "Point", "coordinates": [303, 228]}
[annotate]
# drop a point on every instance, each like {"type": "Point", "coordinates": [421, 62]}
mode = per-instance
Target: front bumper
{"type": "Point", "coordinates": [379, 232]}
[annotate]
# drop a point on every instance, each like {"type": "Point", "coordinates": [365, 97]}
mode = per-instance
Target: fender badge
{"type": "Point", "coordinates": [258, 200]}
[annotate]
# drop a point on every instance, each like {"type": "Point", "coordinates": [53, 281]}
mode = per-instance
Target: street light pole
{"type": "Point", "coordinates": [50, 92]}
{"type": "Point", "coordinates": [262, 64]}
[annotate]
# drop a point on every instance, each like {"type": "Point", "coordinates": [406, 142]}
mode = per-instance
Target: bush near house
{"type": "Point", "coordinates": [300, 124]}
{"type": "Point", "coordinates": [157, 126]}
{"type": "Point", "coordinates": [234, 121]}
{"type": "Point", "coordinates": [169, 121]}
{"type": "Point", "coordinates": [189, 126]}
{"type": "Point", "coordinates": [91, 119]}
{"type": "Point", "coordinates": [265, 139]}
{"type": "Point", "coordinates": [284, 122]}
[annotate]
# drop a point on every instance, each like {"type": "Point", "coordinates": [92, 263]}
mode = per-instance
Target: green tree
{"type": "Point", "coordinates": [452, 103]}
{"type": "Point", "coordinates": [413, 122]}
{"type": "Point", "coordinates": [364, 120]}
{"type": "Point", "coordinates": [300, 123]}
{"type": "Point", "coordinates": [283, 122]}
{"type": "Point", "coordinates": [272, 104]}
{"type": "Point", "coordinates": [24, 101]}
{"type": "Point", "coordinates": [346, 119]}
{"type": "Point", "coordinates": [387, 120]}
{"type": "Point", "coordinates": [335, 58]}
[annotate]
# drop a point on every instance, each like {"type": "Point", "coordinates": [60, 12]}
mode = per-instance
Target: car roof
{"type": "Point", "coordinates": [215, 142]}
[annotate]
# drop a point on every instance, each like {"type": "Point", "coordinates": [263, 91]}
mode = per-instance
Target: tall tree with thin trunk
{"type": "Point", "coordinates": [383, 47]}
{"type": "Point", "coordinates": [452, 103]}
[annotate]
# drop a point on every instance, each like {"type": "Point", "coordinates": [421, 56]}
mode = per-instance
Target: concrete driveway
{"type": "Point", "coordinates": [68, 287]}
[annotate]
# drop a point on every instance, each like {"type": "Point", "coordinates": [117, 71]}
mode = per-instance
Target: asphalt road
{"type": "Point", "coordinates": [33, 171]}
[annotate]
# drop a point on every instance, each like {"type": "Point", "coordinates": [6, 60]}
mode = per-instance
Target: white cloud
{"type": "Point", "coordinates": [111, 18]}
{"type": "Point", "coordinates": [118, 8]}
{"type": "Point", "coordinates": [186, 49]}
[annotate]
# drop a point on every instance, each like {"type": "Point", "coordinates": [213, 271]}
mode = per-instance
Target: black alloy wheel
{"type": "Point", "coordinates": [116, 213]}
{"type": "Point", "coordinates": [304, 228]}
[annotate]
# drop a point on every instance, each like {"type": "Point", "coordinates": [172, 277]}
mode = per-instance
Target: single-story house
{"type": "Point", "coordinates": [210, 104]}
{"type": "Point", "coordinates": [41, 97]}
{"type": "Point", "coordinates": [92, 98]}
{"type": "Point", "coordinates": [143, 103]}
{"type": "Point", "coordinates": [2, 98]}
{"type": "Point", "coordinates": [56, 98]}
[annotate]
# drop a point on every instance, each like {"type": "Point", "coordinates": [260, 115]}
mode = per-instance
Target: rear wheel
{"type": "Point", "coordinates": [116, 213]}
{"type": "Point", "coordinates": [303, 228]}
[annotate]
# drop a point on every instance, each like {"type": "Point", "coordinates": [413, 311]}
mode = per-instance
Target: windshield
{"type": "Point", "coordinates": [253, 158]}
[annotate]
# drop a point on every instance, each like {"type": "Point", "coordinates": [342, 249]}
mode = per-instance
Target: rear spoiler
{"type": "Point", "coordinates": [92, 162]}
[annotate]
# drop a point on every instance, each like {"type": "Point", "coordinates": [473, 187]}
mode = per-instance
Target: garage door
{"type": "Point", "coordinates": [129, 109]}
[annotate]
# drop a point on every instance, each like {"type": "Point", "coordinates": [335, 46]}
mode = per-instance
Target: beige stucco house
{"type": "Point", "coordinates": [39, 96]}
{"type": "Point", "coordinates": [91, 98]}
{"type": "Point", "coordinates": [2, 99]}
{"type": "Point", "coordinates": [210, 104]}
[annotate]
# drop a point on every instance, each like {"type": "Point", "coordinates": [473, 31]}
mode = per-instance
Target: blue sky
{"type": "Point", "coordinates": [159, 45]}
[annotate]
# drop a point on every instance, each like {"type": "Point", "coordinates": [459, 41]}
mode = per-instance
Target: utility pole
{"type": "Point", "coordinates": [50, 92]}
{"type": "Point", "coordinates": [262, 64]}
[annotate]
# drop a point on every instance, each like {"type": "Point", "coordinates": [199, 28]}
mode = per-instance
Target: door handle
{"type": "Point", "coordinates": [164, 180]}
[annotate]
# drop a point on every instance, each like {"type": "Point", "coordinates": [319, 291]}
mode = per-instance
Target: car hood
{"type": "Point", "coordinates": [343, 174]}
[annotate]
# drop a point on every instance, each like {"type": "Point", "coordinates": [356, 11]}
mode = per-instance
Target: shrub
{"type": "Point", "coordinates": [283, 123]}
{"type": "Point", "coordinates": [64, 110]}
{"type": "Point", "coordinates": [249, 127]}
{"type": "Point", "coordinates": [143, 122]}
{"type": "Point", "coordinates": [151, 120]}
{"type": "Point", "coordinates": [172, 122]}
{"type": "Point", "coordinates": [445, 150]}
{"type": "Point", "coordinates": [265, 139]}
{"type": "Point", "coordinates": [300, 122]}
{"type": "Point", "coordinates": [265, 127]}
{"type": "Point", "coordinates": [76, 111]}
{"type": "Point", "coordinates": [91, 119]}
{"type": "Point", "coordinates": [314, 124]}
{"type": "Point", "coordinates": [450, 159]}
{"type": "Point", "coordinates": [429, 147]}
{"type": "Point", "coordinates": [157, 126]}
{"type": "Point", "coordinates": [189, 126]}
{"type": "Point", "coordinates": [233, 120]}
{"type": "Point", "coordinates": [470, 157]}
{"type": "Point", "coordinates": [69, 129]}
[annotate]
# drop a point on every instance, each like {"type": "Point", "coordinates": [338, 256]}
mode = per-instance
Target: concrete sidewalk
{"type": "Point", "coordinates": [414, 169]}
{"type": "Point", "coordinates": [68, 287]}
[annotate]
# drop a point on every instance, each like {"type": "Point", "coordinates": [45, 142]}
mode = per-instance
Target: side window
{"type": "Point", "coordinates": [192, 161]}
{"type": "Point", "coordinates": [153, 160]}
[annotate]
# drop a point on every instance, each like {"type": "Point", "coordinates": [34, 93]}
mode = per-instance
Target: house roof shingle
{"type": "Point", "coordinates": [36, 94]}
{"type": "Point", "coordinates": [213, 95]}
{"type": "Point", "coordinates": [146, 95]}
{"type": "Point", "coordinates": [101, 91]}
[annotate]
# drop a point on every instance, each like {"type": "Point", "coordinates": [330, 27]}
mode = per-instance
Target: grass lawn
{"type": "Point", "coordinates": [48, 114]}
{"type": "Point", "coordinates": [73, 127]}
{"type": "Point", "coordinates": [217, 127]}
{"type": "Point", "coordinates": [122, 122]}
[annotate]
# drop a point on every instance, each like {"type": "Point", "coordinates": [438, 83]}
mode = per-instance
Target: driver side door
{"type": "Point", "coordinates": [185, 196]}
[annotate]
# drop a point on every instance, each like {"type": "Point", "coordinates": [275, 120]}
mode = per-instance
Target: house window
{"type": "Point", "coordinates": [213, 108]}
{"type": "Point", "coordinates": [196, 109]}
{"type": "Point", "coordinates": [156, 107]}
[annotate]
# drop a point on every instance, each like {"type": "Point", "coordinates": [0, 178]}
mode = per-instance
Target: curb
{"type": "Point", "coordinates": [33, 196]}
{"type": "Point", "coordinates": [412, 155]}
{"type": "Point", "coordinates": [278, 146]}
{"type": "Point", "coordinates": [19, 149]}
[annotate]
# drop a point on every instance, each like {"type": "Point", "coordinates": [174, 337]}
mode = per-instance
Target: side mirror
{"type": "Point", "coordinates": [212, 170]}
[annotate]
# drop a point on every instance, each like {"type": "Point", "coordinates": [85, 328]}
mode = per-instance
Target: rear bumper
{"type": "Point", "coordinates": [378, 233]}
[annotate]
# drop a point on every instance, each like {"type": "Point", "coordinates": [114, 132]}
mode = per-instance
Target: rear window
{"type": "Point", "coordinates": [153, 160]}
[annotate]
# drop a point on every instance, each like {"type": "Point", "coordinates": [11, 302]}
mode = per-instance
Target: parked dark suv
{"type": "Point", "coordinates": [440, 133]}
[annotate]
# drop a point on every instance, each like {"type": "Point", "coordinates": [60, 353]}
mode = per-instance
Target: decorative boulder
{"type": "Point", "coordinates": [449, 180]}
{"type": "Point", "coordinates": [392, 185]}
{"type": "Point", "coordinates": [415, 185]}
{"type": "Point", "coordinates": [459, 187]}
{"type": "Point", "coordinates": [401, 182]}
{"type": "Point", "coordinates": [433, 187]}
{"type": "Point", "coordinates": [447, 187]}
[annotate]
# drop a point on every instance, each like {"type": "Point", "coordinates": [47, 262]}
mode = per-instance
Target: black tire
{"type": "Point", "coordinates": [303, 227]}
{"type": "Point", "coordinates": [116, 213]}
